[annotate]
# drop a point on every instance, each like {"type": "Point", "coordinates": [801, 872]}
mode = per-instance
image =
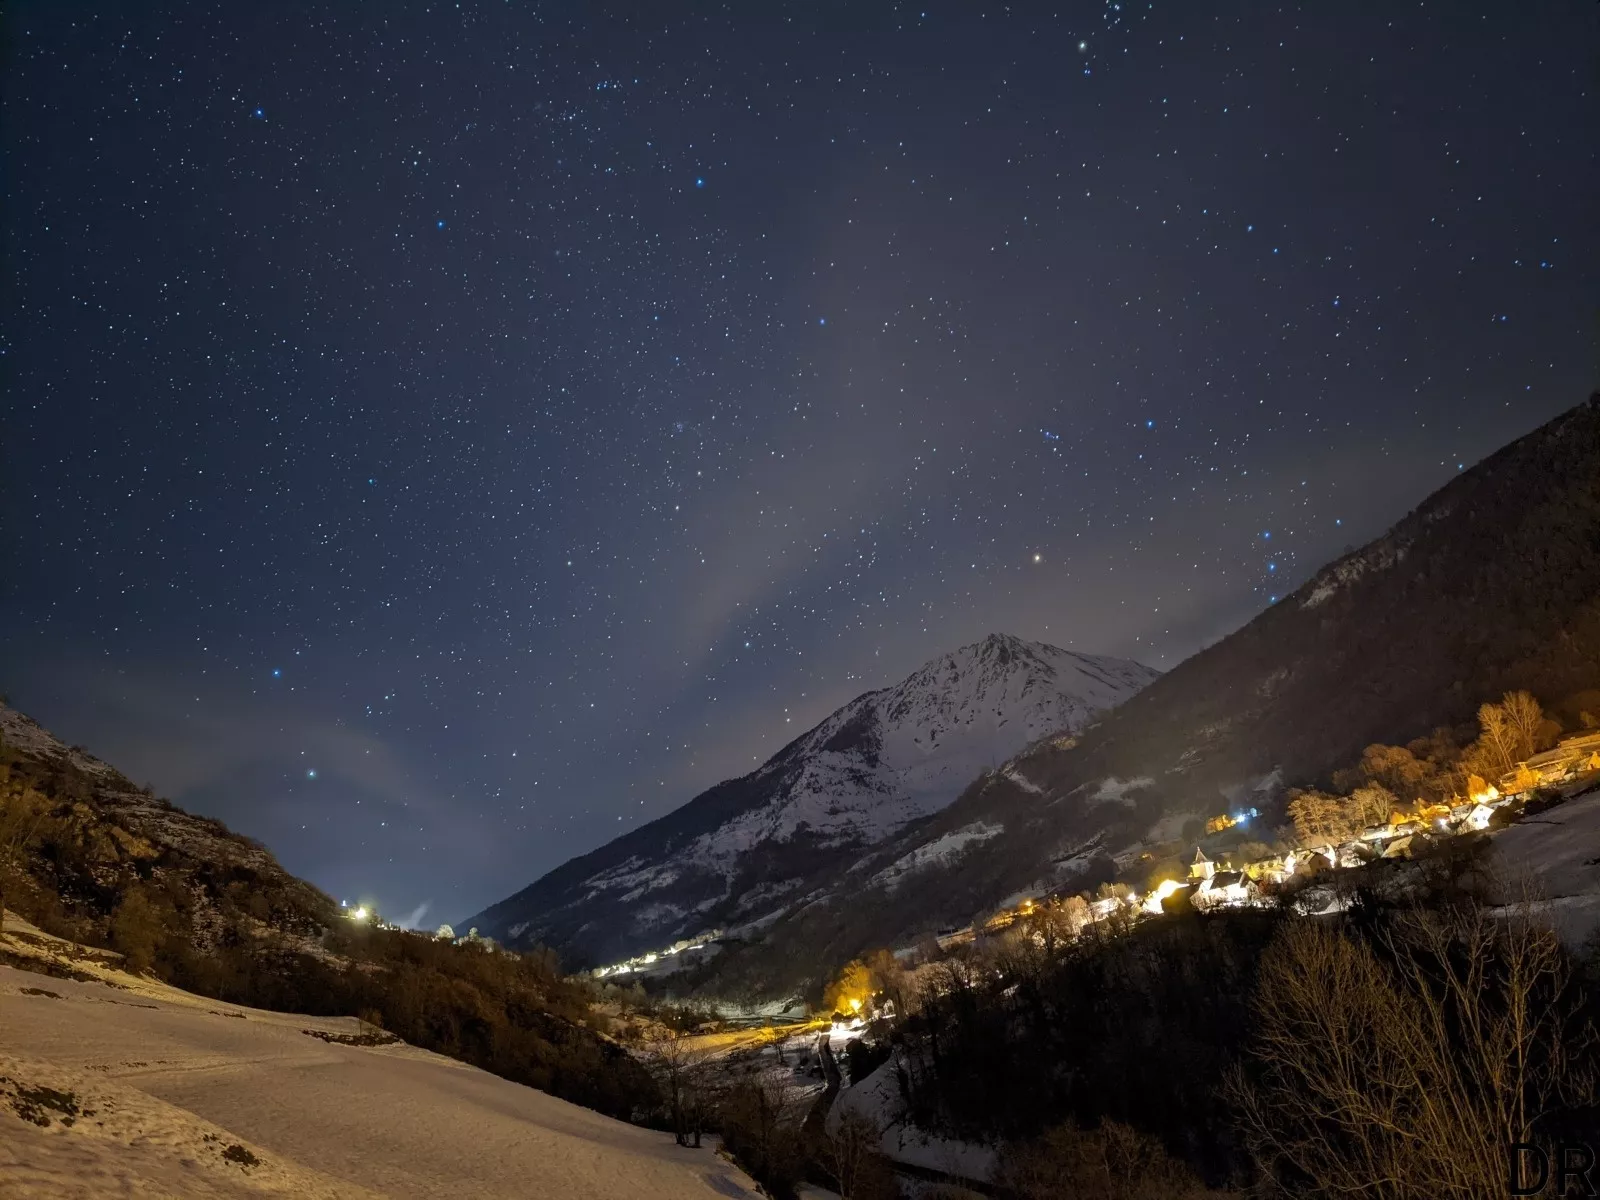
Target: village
{"type": "Point", "coordinates": [1219, 876]}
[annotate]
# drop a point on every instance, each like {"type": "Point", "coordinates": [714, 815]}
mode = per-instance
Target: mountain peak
{"type": "Point", "coordinates": [1003, 641]}
{"type": "Point", "coordinates": [1005, 647]}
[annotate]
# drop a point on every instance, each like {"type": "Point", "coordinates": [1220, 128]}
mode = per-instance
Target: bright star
{"type": "Point", "coordinates": [1038, 558]}
{"type": "Point", "coordinates": [312, 773]}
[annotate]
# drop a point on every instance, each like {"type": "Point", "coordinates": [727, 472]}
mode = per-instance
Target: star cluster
{"type": "Point", "coordinates": [440, 437]}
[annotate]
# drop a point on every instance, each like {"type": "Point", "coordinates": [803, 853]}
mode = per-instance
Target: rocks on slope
{"type": "Point", "coordinates": [96, 830]}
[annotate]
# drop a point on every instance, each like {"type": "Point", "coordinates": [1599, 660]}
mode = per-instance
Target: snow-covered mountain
{"type": "Point", "coordinates": [746, 848]}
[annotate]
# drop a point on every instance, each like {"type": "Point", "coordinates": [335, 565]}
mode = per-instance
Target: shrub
{"type": "Point", "coordinates": [1113, 1162]}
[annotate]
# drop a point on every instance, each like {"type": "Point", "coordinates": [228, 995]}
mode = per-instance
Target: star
{"type": "Point", "coordinates": [606, 371]}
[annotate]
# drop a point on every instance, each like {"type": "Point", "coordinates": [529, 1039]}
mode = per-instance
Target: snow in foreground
{"type": "Point", "coordinates": [1558, 853]}
{"type": "Point", "coordinates": [174, 1095]}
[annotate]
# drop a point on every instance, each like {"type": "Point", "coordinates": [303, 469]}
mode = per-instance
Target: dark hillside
{"type": "Point", "coordinates": [1491, 584]}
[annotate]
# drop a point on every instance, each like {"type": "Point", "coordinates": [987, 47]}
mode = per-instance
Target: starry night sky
{"type": "Point", "coordinates": [439, 437]}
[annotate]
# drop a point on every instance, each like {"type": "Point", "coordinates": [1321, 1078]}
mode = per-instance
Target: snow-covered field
{"type": "Point", "coordinates": [877, 1097]}
{"type": "Point", "coordinates": [1558, 851]}
{"type": "Point", "coordinates": [170, 1094]}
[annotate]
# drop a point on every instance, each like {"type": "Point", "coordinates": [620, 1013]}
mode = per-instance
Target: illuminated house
{"type": "Point", "coordinates": [1224, 888]}
{"type": "Point", "coordinates": [1273, 869]}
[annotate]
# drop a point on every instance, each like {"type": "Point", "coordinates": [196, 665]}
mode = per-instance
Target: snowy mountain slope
{"type": "Point", "coordinates": [739, 851]}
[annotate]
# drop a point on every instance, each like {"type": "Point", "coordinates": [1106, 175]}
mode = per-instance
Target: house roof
{"type": "Point", "coordinates": [1224, 879]}
{"type": "Point", "coordinates": [1559, 754]}
{"type": "Point", "coordinates": [1200, 855]}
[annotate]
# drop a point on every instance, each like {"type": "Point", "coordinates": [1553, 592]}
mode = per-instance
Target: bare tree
{"type": "Point", "coordinates": [889, 978]}
{"type": "Point", "coordinates": [760, 1117]}
{"type": "Point", "coordinates": [1372, 804]}
{"type": "Point", "coordinates": [679, 1063]}
{"type": "Point", "coordinates": [1526, 721]}
{"type": "Point", "coordinates": [1509, 733]}
{"type": "Point", "coordinates": [1396, 768]}
{"type": "Point", "coordinates": [853, 1155]}
{"type": "Point", "coordinates": [1052, 925]}
{"type": "Point", "coordinates": [1407, 1068]}
{"type": "Point", "coordinates": [1496, 746]}
{"type": "Point", "coordinates": [1319, 817]}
